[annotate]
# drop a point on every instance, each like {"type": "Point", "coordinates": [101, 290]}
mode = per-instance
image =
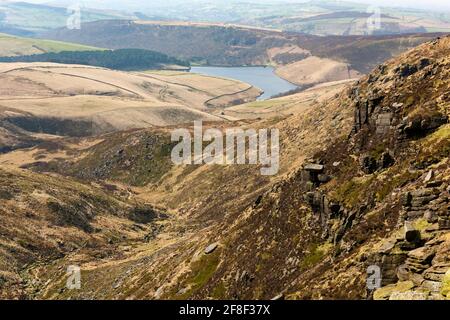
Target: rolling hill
{"type": "Point", "coordinates": [87, 177]}
{"type": "Point", "coordinates": [77, 100]}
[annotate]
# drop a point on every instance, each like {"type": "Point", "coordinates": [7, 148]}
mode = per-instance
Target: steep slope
{"type": "Point", "coordinates": [378, 197]}
{"type": "Point", "coordinates": [202, 214]}
{"type": "Point", "coordinates": [46, 219]}
{"type": "Point", "coordinates": [314, 233]}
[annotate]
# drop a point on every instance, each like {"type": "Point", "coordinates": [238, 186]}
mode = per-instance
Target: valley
{"type": "Point", "coordinates": [286, 210]}
{"type": "Point", "coordinates": [87, 173]}
{"type": "Point", "coordinates": [260, 77]}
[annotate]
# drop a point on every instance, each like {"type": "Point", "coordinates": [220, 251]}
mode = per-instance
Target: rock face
{"type": "Point", "coordinates": [426, 203]}
{"type": "Point", "coordinates": [390, 145]}
{"type": "Point", "coordinates": [425, 263]}
{"type": "Point", "coordinates": [425, 268]}
{"type": "Point", "coordinates": [383, 122]}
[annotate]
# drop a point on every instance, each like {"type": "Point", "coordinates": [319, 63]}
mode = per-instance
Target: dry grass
{"type": "Point", "coordinates": [284, 106]}
{"type": "Point", "coordinates": [314, 70]}
{"type": "Point", "coordinates": [115, 100]}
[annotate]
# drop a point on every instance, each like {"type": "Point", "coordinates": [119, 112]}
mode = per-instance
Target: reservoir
{"type": "Point", "coordinates": [261, 77]}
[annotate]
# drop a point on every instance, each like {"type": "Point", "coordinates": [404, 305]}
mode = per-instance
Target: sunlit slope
{"type": "Point", "coordinates": [80, 100]}
{"type": "Point", "coordinates": [287, 105]}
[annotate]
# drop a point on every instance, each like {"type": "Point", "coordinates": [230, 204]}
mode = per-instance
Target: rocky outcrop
{"type": "Point", "coordinates": [313, 175]}
{"type": "Point", "coordinates": [398, 166]}
{"type": "Point", "coordinates": [369, 164]}
{"type": "Point", "coordinates": [364, 111]}
{"type": "Point", "coordinates": [429, 203]}
{"type": "Point", "coordinates": [420, 125]}
{"type": "Point", "coordinates": [426, 260]}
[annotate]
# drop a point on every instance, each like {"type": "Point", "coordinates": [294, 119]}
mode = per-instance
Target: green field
{"type": "Point", "coordinates": [17, 46]}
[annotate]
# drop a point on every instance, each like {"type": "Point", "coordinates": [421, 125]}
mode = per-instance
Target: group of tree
{"type": "Point", "coordinates": [121, 59]}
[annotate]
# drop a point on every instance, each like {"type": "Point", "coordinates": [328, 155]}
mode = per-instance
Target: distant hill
{"type": "Point", "coordinates": [121, 59]}
{"type": "Point", "coordinates": [318, 17]}
{"type": "Point", "coordinates": [204, 44]}
{"type": "Point", "coordinates": [234, 45]}
{"type": "Point", "coordinates": [17, 46]}
{"type": "Point", "coordinates": [24, 18]}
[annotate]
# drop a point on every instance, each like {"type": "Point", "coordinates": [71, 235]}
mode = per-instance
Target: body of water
{"type": "Point", "coordinates": [261, 77]}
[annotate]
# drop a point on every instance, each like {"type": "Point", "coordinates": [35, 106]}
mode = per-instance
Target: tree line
{"type": "Point", "coordinates": [121, 59]}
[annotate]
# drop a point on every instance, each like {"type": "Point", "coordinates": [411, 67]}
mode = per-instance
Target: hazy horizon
{"type": "Point", "coordinates": [413, 4]}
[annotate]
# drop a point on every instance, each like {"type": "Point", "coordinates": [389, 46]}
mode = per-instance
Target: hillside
{"type": "Point", "coordinates": [214, 44]}
{"type": "Point", "coordinates": [47, 219]}
{"type": "Point", "coordinates": [286, 105]}
{"type": "Point", "coordinates": [384, 182]}
{"type": "Point", "coordinates": [75, 100]}
{"type": "Point", "coordinates": [11, 46]}
{"type": "Point", "coordinates": [353, 21]}
{"type": "Point", "coordinates": [233, 45]}
{"type": "Point", "coordinates": [364, 181]}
